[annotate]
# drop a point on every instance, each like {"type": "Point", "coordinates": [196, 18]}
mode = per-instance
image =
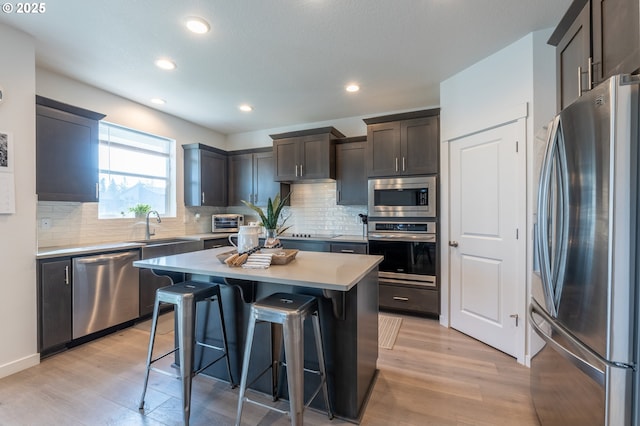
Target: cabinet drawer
{"type": "Point", "coordinates": [409, 299]}
{"type": "Point", "coordinates": [349, 248]}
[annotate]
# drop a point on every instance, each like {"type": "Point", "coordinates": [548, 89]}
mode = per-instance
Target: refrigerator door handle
{"type": "Point", "coordinates": [597, 374]}
{"type": "Point", "coordinates": [543, 209]}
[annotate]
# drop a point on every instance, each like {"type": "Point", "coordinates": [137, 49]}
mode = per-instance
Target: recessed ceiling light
{"type": "Point", "coordinates": [352, 88]}
{"type": "Point", "coordinates": [197, 25]}
{"type": "Point", "coordinates": [245, 108]}
{"type": "Point", "coordinates": [166, 64]}
{"type": "Point", "coordinates": [158, 101]}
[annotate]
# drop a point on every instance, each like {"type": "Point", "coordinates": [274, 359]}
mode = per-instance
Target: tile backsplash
{"type": "Point", "coordinates": [313, 210]}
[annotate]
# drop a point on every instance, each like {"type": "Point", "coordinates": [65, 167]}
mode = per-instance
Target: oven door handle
{"type": "Point", "coordinates": [402, 237]}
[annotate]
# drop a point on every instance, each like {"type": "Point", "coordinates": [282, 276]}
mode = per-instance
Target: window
{"type": "Point", "coordinates": [135, 168]}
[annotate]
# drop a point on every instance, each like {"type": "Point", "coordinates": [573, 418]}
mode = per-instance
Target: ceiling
{"type": "Point", "coordinates": [289, 59]}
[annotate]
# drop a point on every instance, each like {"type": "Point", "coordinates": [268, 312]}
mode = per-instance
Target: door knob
{"type": "Point", "coordinates": [453, 243]}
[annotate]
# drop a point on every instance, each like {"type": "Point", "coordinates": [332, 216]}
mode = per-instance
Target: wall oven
{"type": "Point", "coordinates": [408, 274]}
{"type": "Point", "coordinates": [403, 197]}
{"type": "Point", "coordinates": [409, 250]}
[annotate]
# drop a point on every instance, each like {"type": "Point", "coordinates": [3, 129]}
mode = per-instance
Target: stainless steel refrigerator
{"type": "Point", "coordinates": [585, 303]}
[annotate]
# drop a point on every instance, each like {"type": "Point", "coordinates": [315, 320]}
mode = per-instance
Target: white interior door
{"type": "Point", "coordinates": [484, 207]}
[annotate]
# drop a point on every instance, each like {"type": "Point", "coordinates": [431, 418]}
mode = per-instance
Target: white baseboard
{"type": "Point", "coordinates": [19, 365]}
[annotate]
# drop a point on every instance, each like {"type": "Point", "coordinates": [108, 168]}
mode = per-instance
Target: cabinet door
{"type": "Point", "coordinates": [572, 52]}
{"type": "Point", "coordinates": [348, 248]}
{"type": "Point", "coordinates": [351, 176]}
{"type": "Point", "coordinates": [615, 37]}
{"type": "Point", "coordinates": [383, 145]}
{"type": "Point", "coordinates": [241, 179]}
{"type": "Point", "coordinates": [66, 156]}
{"type": "Point", "coordinates": [316, 158]}
{"type": "Point", "coordinates": [286, 154]}
{"type": "Point", "coordinates": [213, 175]}
{"type": "Point", "coordinates": [264, 185]}
{"type": "Point", "coordinates": [55, 303]}
{"type": "Point", "coordinates": [419, 146]}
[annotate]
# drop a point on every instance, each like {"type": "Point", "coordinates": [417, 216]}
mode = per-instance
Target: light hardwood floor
{"type": "Point", "coordinates": [432, 376]}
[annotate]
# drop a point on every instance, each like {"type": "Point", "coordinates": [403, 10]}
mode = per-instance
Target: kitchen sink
{"type": "Point", "coordinates": [167, 246]}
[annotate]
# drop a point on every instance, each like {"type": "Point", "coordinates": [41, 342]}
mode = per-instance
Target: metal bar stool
{"type": "Point", "coordinates": [184, 296]}
{"type": "Point", "coordinates": [288, 312]}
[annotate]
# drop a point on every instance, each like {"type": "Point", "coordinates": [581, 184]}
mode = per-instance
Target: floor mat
{"type": "Point", "coordinates": [388, 328]}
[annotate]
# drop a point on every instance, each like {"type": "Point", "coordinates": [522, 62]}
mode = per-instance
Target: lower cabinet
{"type": "Point", "coordinates": [54, 304]}
{"type": "Point", "coordinates": [216, 242]}
{"type": "Point", "coordinates": [305, 245]}
{"type": "Point", "coordinates": [349, 248]}
{"type": "Point", "coordinates": [409, 298]}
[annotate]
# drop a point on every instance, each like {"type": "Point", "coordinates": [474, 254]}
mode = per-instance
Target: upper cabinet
{"type": "Point", "coordinates": [305, 155]}
{"type": "Point", "coordinates": [66, 152]}
{"type": "Point", "coordinates": [251, 178]}
{"type": "Point", "coordinates": [205, 176]}
{"type": "Point", "coordinates": [351, 173]}
{"type": "Point", "coordinates": [594, 40]}
{"type": "Point", "coordinates": [403, 144]}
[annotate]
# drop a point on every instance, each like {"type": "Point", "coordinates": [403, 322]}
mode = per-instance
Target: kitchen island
{"type": "Point", "coordinates": [346, 286]}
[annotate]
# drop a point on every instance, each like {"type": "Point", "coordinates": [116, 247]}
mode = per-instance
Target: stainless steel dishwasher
{"type": "Point", "coordinates": [105, 291]}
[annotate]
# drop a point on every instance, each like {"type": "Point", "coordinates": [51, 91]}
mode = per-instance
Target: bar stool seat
{"type": "Point", "coordinates": [287, 312]}
{"type": "Point", "coordinates": [185, 296]}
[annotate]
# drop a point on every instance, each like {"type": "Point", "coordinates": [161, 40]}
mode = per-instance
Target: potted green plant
{"type": "Point", "coordinates": [140, 210]}
{"type": "Point", "coordinates": [271, 216]}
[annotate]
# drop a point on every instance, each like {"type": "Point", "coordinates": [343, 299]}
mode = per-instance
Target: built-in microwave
{"type": "Point", "coordinates": [229, 222]}
{"type": "Point", "coordinates": [403, 197]}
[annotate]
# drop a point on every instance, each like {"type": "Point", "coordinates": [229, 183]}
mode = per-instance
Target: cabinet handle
{"type": "Point", "coordinates": [301, 170]}
{"type": "Point", "coordinates": [453, 243]}
{"type": "Point", "coordinates": [97, 191]}
{"type": "Point", "coordinates": [401, 299]}
{"type": "Point", "coordinates": [396, 164]}
{"type": "Point", "coordinates": [296, 170]}
{"type": "Point", "coordinates": [66, 275]}
{"type": "Point", "coordinates": [579, 81]}
{"type": "Point", "coordinates": [347, 251]}
{"type": "Point", "coordinates": [255, 198]}
{"type": "Point", "coordinates": [403, 165]}
{"type": "Point", "coordinates": [202, 197]}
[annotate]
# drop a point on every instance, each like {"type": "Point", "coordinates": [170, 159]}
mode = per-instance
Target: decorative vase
{"type": "Point", "coordinates": [271, 234]}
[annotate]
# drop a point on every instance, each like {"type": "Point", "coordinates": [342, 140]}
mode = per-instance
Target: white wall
{"type": "Point", "coordinates": [18, 332]}
{"type": "Point", "coordinates": [518, 80]}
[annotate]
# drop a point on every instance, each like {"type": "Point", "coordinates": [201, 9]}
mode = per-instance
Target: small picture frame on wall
{"type": "Point", "coordinates": [6, 152]}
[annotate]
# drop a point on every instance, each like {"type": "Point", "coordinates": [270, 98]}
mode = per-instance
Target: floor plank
{"type": "Point", "coordinates": [432, 376]}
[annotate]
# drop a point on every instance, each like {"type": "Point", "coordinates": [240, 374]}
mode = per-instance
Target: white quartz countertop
{"type": "Point", "coordinates": [329, 271]}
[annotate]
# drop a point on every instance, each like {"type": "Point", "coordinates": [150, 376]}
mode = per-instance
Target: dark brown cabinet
{"type": "Point", "coordinates": [351, 174]}
{"type": "Point", "coordinates": [305, 155]}
{"type": "Point", "coordinates": [409, 299]}
{"type": "Point", "coordinates": [403, 144]}
{"type": "Point", "coordinates": [205, 176]}
{"type": "Point", "coordinates": [251, 178]}
{"type": "Point", "coordinates": [66, 152]}
{"type": "Point", "coordinates": [615, 37]}
{"type": "Point", "coordinates": [54, 303]}
{"type": "Point", "coordinates": [216, 242]}
{"type": "Point", "coordinates": [594, 40]}
{"type": "Point", "coordinates": [351, 248]}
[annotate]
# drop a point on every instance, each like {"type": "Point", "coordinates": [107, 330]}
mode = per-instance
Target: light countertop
{"type": "Point", "coordinates": [61, 251]}
{"type": "Point", "coordinates": [329, 271]}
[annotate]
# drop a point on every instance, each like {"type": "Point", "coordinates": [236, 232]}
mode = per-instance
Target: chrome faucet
{"type": "Point", "coordinates": [149, 234]}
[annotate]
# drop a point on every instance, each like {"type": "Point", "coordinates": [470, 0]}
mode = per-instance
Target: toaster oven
{"type": "Point", "coordinates": [229, 222]}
